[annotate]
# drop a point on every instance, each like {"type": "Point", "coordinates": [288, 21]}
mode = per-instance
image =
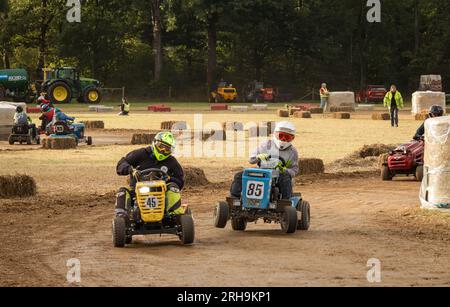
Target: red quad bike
{"type": "Point", "coordinates": [405, 160]}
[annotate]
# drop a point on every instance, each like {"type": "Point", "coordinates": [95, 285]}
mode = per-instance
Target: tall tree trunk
{"type": "Point", "coordinates": [42, 40]}
{"type": "Point", "coordinates": [212, 50]}
{"type": "Point", "coordinates": [6, 61]}
{"type": "Point", "coordinates": [362, 47]}
{"type": "Point", "coordinates": [416, 27]}
{"type": "Point", "coordinates": [157, 38]}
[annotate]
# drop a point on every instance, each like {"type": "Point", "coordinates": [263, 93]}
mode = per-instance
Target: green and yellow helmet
{"type": "Point", "coordinates": [163, 145]}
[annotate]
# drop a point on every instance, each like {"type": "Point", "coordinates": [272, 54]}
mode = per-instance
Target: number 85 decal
{"type": "Point", "coordinates": [255, 190]}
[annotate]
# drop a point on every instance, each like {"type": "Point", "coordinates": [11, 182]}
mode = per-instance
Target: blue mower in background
{"type": "Point", "coordinates": [63, 129]}
{"type": "Point", "coordinates": [261, 199]}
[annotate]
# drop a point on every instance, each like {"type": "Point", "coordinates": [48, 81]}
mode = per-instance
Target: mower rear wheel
{"type": "Point", "coordinates": [386, 174]}
{"type": "Point", "coordinates": [187, 229]}
{"type": "Point", "coordinates": [289, 220]}
{"type": "Point", "coordinates": [221, 215]}
{"type": "Point", "coordinates": [119, 232]}
{"type": "Point", "coordinates": [419, 173]}
{"type": "Point", "coordinates": [239, 224]}
{"type": "Point", "coordinates": [304, 222]}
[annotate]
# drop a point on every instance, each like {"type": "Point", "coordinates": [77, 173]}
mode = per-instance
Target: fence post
{"type": "Point", "coordinates": [123, 92]}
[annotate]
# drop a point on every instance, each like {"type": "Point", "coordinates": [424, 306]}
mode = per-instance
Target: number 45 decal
{"type": "Point", "coordinates": [255, 190]}
{"type": "Point", "coordinates": [151, 203]}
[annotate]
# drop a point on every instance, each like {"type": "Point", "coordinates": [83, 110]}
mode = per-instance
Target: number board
{"type": "Point", "coordinates": [151, 203]}
{"type": "Point", "coordinates": [255, 190]}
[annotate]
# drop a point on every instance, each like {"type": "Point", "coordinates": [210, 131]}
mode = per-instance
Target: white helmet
{"type": "Point", "coordinates": [284, 134]}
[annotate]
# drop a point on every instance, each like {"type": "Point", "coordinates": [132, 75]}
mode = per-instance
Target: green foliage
{"type": "Point", "coordinates": [294, 45]}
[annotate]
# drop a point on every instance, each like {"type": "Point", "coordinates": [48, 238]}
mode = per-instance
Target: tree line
{"type": "Point", "coordinates": [188, 45]}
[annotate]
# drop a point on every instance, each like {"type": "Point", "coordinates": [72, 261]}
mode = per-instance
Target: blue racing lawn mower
{"type": "Point", "coordinates": [261, 199]}
{"type": "Point", "coordinates": [63, 129]}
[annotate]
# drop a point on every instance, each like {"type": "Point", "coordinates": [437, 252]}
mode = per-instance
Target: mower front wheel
{"type": "Point", "coordinates": [89, 140]}
{"type": "Point", "coordinates": [119, 232]}
{"type": "Point", "coordinates": [239, 224]}
{"type": "Point", "coordinates": [289, 220]}
{"type": "Point", "coordinates": [386, 174]}
{"type": "Point", "coordinates": [187, 236]}
{"type": "Point", "coordinates": [221, 215]}
{"type": "Point", "coordinates": [304, 222]}
{"type": "Point", "coordinates": [419, 173]}
{"type": "Point", "coordinates": [11, 140]}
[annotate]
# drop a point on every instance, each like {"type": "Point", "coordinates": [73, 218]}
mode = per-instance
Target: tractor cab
{"type": "Point", "coordinates": [67, 73]}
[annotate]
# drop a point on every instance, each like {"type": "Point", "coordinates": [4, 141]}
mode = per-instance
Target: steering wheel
{"type": "Point", "coordinates": [270, 157]}
{"type": "Point", "coordinates": [152, 174]}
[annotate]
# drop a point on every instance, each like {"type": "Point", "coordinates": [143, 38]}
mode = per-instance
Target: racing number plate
{"type": "Point", "coordinates": [255, 190]}
{"type": "Point", "coordinates": [151, 203]}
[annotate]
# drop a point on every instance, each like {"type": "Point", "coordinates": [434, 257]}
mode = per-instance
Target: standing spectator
{"type": "Point", "coordinates": [324, 96]}
{"type": "Point", "coordinates": [394, 101]}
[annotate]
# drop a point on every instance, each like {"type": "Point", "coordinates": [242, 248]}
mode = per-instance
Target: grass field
{"type": "Point", "coordinates": [325, 138]}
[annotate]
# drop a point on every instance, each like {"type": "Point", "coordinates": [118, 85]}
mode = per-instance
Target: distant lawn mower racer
{"type": "Point", "coordinates": [64, 129]}
{"type": "Point", "coordinates": [408, 159]}
{"type": "Point", "coordinates": [405, 160]}
{"type": "Point", "coordinates": [23, 131]}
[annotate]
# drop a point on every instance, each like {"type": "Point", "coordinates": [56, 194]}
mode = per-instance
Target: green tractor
{"type": "Point", "coordinates": [64, 84]}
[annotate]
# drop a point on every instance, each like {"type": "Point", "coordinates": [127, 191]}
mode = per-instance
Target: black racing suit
{"type": "Point", "coordinates": [420, 132]}
{"type": "Point", "coordinates": [143, 159]}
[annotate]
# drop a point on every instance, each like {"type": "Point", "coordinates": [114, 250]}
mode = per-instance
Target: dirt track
{"type": "Point", "coordinates": [353, 220]}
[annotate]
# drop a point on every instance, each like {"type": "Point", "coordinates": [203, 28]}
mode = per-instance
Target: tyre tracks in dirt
{"type": "Point", "coordinates": [353, 219]}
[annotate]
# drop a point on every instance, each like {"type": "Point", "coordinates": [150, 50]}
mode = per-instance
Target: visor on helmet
{"type": "Point", "coordinates": [163, 148]}
{"type": "Point", "coordinates": [284, 137]}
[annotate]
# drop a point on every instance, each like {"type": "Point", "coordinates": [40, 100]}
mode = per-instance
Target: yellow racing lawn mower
{"type": "Point", "coordinates": [147, 212]}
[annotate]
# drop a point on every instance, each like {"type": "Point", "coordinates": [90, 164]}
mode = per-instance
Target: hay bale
{"type": "Point", "coordinates": [435, 191]}
{"type": "Point", "coordinates": [233, 126]}
{"type": "Point", "coordinates": [374, 150]}
{"type": "Point", "coordinates": [316, 111]}
{"type": "Point", "coordinates": [422, 101]}
{"type": "Point", "coordinates": [311, 166]}
{"type": "Point", "coordinates": [341, 109]}
{"type": "Point", "coordinates": [283, 113]}
{"type": "Point", "coordinates": [142, 138]}
{"type": "Point", "coordinates": [195, 177]}
{"type": "Point", "coordinates": [213, 135]}
{"type": "Point", "coordinates": [59, 143]}
{"type": "Point", "coordinates": [174, 125]}
{"type": "Point", "coordinates": [17, 186]}
{"type": "Point", "coordinates": [381, 116]}
{"type": "Point", "coordinates": [342, 115]}
{"type": "Point", "coordinates": [302, 115]}
{"type": "Point", "coordinates": [294, 110]}
{"type": "Point", "coordinates": [94, 124]}
{"type": "Point", "coordinates": [422, 116]}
